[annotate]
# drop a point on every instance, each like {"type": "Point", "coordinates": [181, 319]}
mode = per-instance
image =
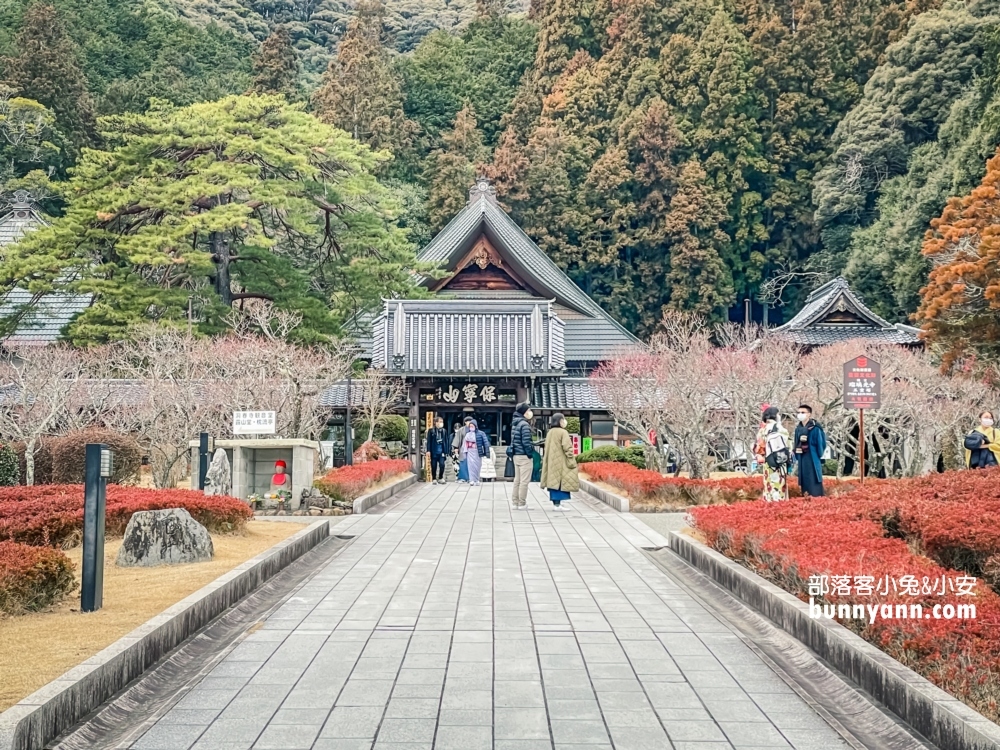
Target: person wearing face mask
{"type": "Point", "coordinates": [559, 471]}
{"type": "Point", "coordinates": [522, 450]}
{"type": "Point", "coordinates": [475, 447]}
{"type": "Point", "coordinates": [982, 445]}
{"type": "Point", "coordinates": [810, 445]}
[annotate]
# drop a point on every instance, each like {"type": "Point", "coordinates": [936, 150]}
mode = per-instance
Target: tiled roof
{"type": "Point", "coordinates": [822, 335]}
{"type": "Point", "coordinates": [43, 321]}
{"type": "Point", "coordinates": [449, 336]}
{"type": "Point", "coordinates": [45, 318]}
{"type": "Point", "coordinates": [571, 394]}
{"type": "Point", "coordinates": [812, 325]}
{"type": "Point", "coordinates": [335, 396]}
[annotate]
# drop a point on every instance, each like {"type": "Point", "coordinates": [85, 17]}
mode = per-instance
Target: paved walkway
{"type": "Point", "coordinates": [452, 622]}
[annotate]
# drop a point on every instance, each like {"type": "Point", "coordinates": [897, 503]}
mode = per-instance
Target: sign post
{"type": "Point", "coordinates": [97, 469]}
{"type": "Point", "coordinates": [862, 390]}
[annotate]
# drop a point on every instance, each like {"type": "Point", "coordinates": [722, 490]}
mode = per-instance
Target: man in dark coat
{"type": "Point", "coordinates": [522, 450]}
{"type": "Point", "coordinates": [810, 445]}
{"type": "Point", "coordinates": [437, 442]}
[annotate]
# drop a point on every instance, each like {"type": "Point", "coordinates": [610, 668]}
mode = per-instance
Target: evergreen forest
{"type": "Point", "coordinates": [668, 154]}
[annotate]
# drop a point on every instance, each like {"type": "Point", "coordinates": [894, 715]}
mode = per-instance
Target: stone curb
{"type": "Point", "coordinates": [941, 718]}
{"type": "Point", "coordinates": [366, 502]}
{"type": "Point", "coordinates": [56, 707]}
{"type": "Point", "coordinates": [617, 502]}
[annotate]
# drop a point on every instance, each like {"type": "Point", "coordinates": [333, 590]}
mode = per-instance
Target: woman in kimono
{"type": "Point", "coordinates": [475, 447]}
{"type": "Point", "coordinates": [775, 479]}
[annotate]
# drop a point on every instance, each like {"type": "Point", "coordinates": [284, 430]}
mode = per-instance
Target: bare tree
{"type": "Point", "coordinates": [38, 387]}
{"type": "Point", "coordinates": [921, 408]}
{"type": "Point", "coordinates": [380, 392]}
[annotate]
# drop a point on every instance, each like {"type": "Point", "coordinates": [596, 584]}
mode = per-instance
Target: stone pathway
{"type": "Point", "coordinates": [455, 623]}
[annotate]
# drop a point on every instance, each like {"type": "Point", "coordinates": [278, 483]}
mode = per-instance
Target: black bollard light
{"type": "Point", "coordinates": [98, 467]}
{"type": "Point", "coordinates": [205, 447]}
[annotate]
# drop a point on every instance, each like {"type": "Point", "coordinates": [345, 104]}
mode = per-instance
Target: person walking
{"type": "Point", "coordinates": [475, 447]}
{"type": "Point", "coordinates": [810, 445]}
{"type": "Point", "coordinates": [457, 445]}
{"type": "Point", "coordinates": [559, 470]}
{"type": "Point", "coordinates": [982, 445]}
{"type": "Point", "coordinates": [436, 444]}
{"type": "Point", "coordinates": [522, 450]}
{"type": "Point", "coordinates": [771, 450]}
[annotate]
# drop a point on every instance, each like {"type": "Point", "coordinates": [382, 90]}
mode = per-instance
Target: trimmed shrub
{"type": "Point", "coordinates": [830, 467]}
{"type": "Point", "coordinates": [369, 452]}
{"type": "Point", "coordinates": [10, 471]}
{"type": "Point", "coordinates": [52, 515]}
{"type": "Point", "coordinates": [951, 516]}
{"type": "Point", "coordinates": [635, 455]}
{"type": "Point", "coordinates": [573, 425]}
{"type": "Point", "coordinates": [69, 452]}
{"type": "Point", "coordinates": [610, 453]}
{"type": "Point", "coordinates": [32, 578]}
{"type": "Point", "coordinates": [350, 482]}
{"type": "Point", "coordinates": [393, 428]}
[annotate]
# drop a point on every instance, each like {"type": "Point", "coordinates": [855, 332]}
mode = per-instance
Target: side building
{"type": "Point", "coordinates": [504, 324]}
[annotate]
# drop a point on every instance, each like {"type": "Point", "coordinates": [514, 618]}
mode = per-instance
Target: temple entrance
{"type": "Point", "coordinates": [495, 422]}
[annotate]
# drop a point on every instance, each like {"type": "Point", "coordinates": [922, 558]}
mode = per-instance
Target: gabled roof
{"type": "Point", "coordinates": [834, 313]}
{"type": "Point", "coordinates": [45, 318]}
{"type": "Point", "coordinates": [593, 336]}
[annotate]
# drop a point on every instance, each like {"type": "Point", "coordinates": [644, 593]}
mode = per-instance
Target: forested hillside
{"type": "Point", "coordinates": [682, 154]}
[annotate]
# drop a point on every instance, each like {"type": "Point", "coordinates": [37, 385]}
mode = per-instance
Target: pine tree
{"type": "Point", "coordinates": [46, 70]}
{"type": "Point", "coordinates": [292, 214]}
{"type": "Point", "coordinates": [276, 66]}
{"type": "Point", "coordinates": [452, 169]}
{"type": "Point", "coordinates": [360, 91]}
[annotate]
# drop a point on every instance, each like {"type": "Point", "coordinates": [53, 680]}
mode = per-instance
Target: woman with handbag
{"type": "Point", "coordinates": [982, 445]}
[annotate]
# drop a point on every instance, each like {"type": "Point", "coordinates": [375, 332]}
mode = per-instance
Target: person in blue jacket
{"type": "Point", "coordinates": [810, 445]}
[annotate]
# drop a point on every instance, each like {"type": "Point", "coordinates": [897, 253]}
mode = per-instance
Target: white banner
{"type": "Point", "coordinates": [253, 423]}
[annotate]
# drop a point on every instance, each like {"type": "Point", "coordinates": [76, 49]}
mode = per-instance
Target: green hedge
{"type": "Point", "coordinates": [391, 428]}
{"type": "Point", "coordinates": [634, 455]}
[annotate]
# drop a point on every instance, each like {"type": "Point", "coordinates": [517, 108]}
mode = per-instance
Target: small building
{"type": "Point", "coordinates": [833, 313]}
{"type": "Point", "coordinates": [504, 324]}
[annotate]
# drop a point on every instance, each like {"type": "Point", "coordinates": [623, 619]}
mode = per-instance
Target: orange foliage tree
{"type": "Point", "coordinates": [960, 305]}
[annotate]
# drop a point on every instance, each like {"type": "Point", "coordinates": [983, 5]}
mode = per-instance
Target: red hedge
{"type": "Point", "coordinates": [650, 489]}
{"type": "Point", "coordinates": [873, 532]}
{"type": "Point", "coordinates": [32, 577]}
{"type": "Point", "coordinates": [350, 482]}
{"type": "Point", "coordinates": [52, 515]}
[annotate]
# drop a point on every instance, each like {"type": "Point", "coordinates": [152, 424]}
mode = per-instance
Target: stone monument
{"type": "Point", "coordinates": [164, 537]}
{"type": "Point", "coordinates": [218, 480]}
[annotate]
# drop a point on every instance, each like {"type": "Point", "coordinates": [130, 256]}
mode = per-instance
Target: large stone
{"type": "Point", "coordinates": [218, 478]}
{"type": "Point", "coordinates": [164, 537]}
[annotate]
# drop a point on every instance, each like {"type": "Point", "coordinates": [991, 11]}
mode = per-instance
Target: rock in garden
{"type": "Point", "coordinates": [164, 537]}
{"type": "Point", "coordinates": [218, 478]}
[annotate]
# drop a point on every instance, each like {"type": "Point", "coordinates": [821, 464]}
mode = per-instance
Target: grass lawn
{"type": "Point", "coordinates": [37, 648]}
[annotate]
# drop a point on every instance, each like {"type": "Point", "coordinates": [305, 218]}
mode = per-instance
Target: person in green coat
{"type": "Point", "coordinates": [559, 471]}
